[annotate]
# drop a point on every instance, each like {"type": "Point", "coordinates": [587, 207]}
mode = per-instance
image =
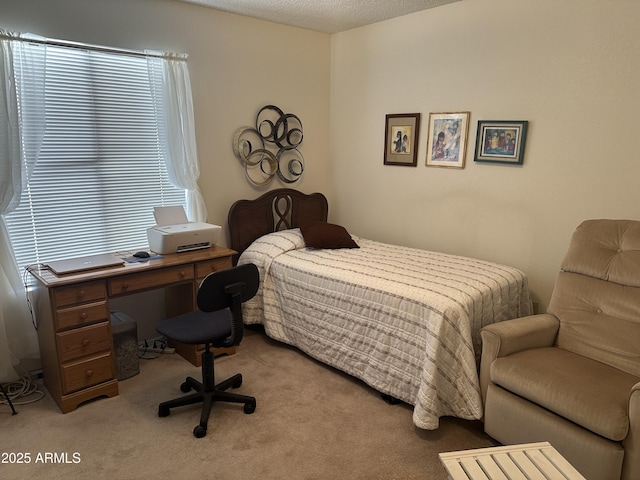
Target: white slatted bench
{"type": "Point", "coordinates": [531, 461]}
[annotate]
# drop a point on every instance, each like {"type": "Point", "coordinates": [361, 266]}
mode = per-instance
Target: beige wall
{"type": "Point", "coordinates": [569, 67]}
{"type": "Point", "coordinates": [237, 65]}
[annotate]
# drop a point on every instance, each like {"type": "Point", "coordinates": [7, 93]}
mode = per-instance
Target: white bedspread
{"type": "Point", "coordinates": [403, 320]}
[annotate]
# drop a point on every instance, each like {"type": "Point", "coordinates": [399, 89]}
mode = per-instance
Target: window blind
{"type": "Point", "coordinates": [101, 165]}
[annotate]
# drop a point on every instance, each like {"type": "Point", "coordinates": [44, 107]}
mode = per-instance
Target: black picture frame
{"type": "Point", "coordinates": [501, 141]}
{"type": "Point", "coordinates": [401, 139]}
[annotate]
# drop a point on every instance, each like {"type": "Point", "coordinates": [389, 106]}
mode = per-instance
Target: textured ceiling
{"type": "Point", "coordinates": [329, 16]}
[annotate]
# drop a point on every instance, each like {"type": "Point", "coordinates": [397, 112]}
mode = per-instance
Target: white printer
{"type": "Point", "coordinates": [174, 233]}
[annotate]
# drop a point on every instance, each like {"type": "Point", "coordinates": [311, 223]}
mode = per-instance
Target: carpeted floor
{"type": "Point", "coordinates": [311, 422]}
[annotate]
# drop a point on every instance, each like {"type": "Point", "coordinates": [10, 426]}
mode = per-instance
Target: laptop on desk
{"type": "Point", "coordinates": [81, 264]}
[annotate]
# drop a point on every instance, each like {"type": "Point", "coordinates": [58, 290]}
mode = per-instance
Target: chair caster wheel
{"type": "Point", "coordinates": [163, 411]}
{"type": "Point", "coordinates": [249, 408]}
{"type": "Point", "coordinates": [199, 431]}
{"type": "Point", "coordinates": [184, 387]}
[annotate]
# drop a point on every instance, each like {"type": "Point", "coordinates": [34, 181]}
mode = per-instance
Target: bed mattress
{"type": "Point", "coordinates": [405, 321]}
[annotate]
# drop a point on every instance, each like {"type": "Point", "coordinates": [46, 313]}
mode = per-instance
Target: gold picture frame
{"type": "Point", "coordinates": [447, 139]}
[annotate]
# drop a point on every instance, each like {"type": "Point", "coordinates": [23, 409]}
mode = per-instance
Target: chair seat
{"type": "Point", "coordinates": [198, 327]}
{"type": "Point", "coordinates": [589, 393]}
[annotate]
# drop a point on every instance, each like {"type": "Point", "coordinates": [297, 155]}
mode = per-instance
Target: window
{"type": "Point", "coordinates": [101, 163]}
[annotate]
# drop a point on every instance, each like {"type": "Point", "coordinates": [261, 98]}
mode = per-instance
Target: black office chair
{"type": "Point", "coordinates": [216, 323]}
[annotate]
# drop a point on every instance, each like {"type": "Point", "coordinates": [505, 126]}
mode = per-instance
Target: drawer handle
{"type": "Point", "coordinates": [84, 315]}
{"type": "Point", "coordinates": [85, 343]}
{"type": "Point", "coordinates": [125, 285]}
{"type": "Point", "coordinates": [81, 293]}
{"type": "Point", "coordinates": [89, 373]}
{"type": "Point", "coordinates": [183, 273]}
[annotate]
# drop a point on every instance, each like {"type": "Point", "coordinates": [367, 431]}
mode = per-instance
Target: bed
{"type": "Point", "coordinates": [403, 320]}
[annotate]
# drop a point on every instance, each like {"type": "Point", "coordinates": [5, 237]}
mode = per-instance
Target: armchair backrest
{"type": "Point", "coordinates": [597, 294]}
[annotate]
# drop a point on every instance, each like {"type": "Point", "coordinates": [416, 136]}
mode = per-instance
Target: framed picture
{"type": "Point", "coordinates": [401, 139]}
{"type": "Point", "coordinates": [447, 141]}
{"type": "Point", "coordinates": [501, 141]}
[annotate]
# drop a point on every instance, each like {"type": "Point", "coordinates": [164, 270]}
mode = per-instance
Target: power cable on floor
{"type": "Point", "coordinates": [20, 392]}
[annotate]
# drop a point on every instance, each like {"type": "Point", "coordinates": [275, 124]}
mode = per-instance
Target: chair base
{"type": "Point", "coordinates": [208, 393]}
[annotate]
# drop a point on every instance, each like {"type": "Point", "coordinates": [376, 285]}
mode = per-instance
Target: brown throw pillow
{"type": "Point", "coordinates": [327, 235]}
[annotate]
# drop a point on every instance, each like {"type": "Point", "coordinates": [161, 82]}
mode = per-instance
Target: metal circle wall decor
{"type": "Point", "coordinates": [275, 129]}
{"type": "Point", "coordinates": [295, 164]}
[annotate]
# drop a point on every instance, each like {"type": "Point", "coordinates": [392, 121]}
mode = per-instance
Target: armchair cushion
{"type": "Point", "coordinates": [584, 391]}
{"type": "Point", "coordinates": [504, 338]}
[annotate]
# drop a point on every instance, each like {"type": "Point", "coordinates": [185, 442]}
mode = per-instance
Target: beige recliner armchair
{"type": "Point", "coordinates": [572, 376]}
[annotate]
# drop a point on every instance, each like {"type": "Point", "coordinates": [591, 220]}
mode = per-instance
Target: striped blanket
{"type": "Point", "coordinates": [405, 321]}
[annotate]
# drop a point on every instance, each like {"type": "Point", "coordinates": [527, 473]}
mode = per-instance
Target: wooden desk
{"type": "Point", "coordinates": [74, 327]}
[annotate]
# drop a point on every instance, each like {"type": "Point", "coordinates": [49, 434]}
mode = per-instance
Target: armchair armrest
{"type": "Point", "coordinates": [631, 466]}
{"type": "Point", "coordinates": [511, 336]}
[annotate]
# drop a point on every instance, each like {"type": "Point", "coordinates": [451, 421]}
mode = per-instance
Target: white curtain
{"type": "Point", "coordinates": [176, 102]}
{"type": "Point", "coordinates": [21, 134]}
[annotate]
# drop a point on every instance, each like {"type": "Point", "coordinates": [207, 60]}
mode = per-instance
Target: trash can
{"type": "Point", "coordinates": [125, 345]}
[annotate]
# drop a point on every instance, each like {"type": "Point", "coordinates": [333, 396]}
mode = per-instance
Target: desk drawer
{"type": "Point", "coordinates": [85, 373]}
{"type": "Point", "coordinates": [84, 341]}
{"type": "Point", "coordinates": [81, 315]}
{"type": "Point", "coordinates": [73, 294]}
{"type": "Point", "coordinates": [148, 280]}
{"type": "Point", "coordinates": [205, 268]}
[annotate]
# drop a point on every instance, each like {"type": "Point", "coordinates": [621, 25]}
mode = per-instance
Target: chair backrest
{"type": "Point", "coordinates": [229, 288]}
{"type": "Point", "coordinates": [217, 289]}
{"type": "Point", "coordinates": [597, 294]}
